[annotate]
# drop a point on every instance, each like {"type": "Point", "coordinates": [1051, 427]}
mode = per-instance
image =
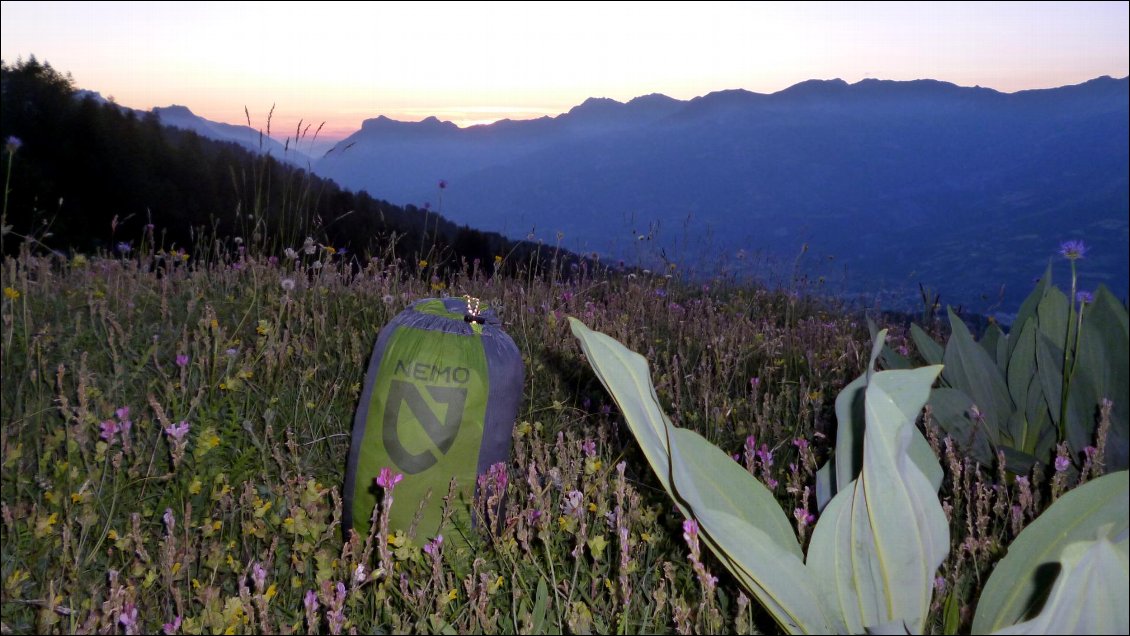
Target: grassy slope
{"type": "Point", "coordinates": [235, 527]}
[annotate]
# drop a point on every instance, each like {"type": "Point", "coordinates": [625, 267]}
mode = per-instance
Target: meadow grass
{"type": "Point", "coordinates": [175, 433]}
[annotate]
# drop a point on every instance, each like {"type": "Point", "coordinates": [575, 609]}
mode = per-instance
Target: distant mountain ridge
{"type": "Point", "coordinates": [249, 138]}
{"type": "Point", "coordinates": [963, 188]}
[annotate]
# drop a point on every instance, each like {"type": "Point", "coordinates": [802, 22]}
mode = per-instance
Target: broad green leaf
{"type": "Point", "coordinates": [1089, 595]}
{"type": "Point", "coordinates": [709, 486]}
{"type": "Point", "coordinates": [1021, 579]}
{"type": "Point", "coordinates": [993, 336]}
{"type": "Point", "coordinates": [1001, 354]}
{"type": "Point", "coordinates": [890, 358]}
{"type": "Point", "coordinates": [1102, 370]}
{"type": "Point", "coordinates": [1049, 369]}
{"type": "Point", "coordinates": [844, 465]}
{"type": "Point", "coordinates": [969, 368]}
{"type": "Point", "coordinates": [1022, 364]}
{"type": "Point", "coordinates": [705, 477]}
{"type": "Point", "coordinates": [1054, 317]}
{"type": "Point", "coordinates": [880, 541]}
{"type": "Point", "coordinates": [792, 596]}
{"type": "Point", "coordinates": [1028, 307]}
{"type": "Point", "coordinates": [625, 374]}
{"type": "Point", "coordinates": [931, 351]}
{"type": "Point", "coordinates": [722, 495]}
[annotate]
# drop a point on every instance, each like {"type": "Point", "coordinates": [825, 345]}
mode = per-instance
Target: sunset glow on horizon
{"type": "Point", "coordinates": [474, 63]}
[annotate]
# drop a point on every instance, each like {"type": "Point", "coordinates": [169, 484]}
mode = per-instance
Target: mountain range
{"type": "Point", "coordinates": [882, 185]}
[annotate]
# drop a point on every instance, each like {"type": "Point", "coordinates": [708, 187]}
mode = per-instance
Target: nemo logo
{"type": "Point", "coordinates": [441, 432]}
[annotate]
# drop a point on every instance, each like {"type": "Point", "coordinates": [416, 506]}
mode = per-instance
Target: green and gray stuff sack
{"type": "Point", "coordinates": [441, 394]}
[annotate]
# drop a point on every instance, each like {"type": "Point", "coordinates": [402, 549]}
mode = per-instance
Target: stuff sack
{"type": "Point", "coordinates": [441, 395]}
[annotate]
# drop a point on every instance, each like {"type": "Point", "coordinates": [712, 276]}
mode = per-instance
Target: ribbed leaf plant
{"type": "Point", "coordinates": [882, 534]}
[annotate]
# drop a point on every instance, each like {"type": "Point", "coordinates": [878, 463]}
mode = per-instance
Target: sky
{"type": "Point", "coordinates": [470, 63]}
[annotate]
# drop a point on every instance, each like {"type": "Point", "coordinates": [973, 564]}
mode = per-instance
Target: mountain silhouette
{"type": "Point", "coordinates": [887, 183]}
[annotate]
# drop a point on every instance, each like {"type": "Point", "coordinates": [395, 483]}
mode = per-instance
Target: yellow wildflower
{"type": "Point", "coordinates": [11, 293]}
{"type": "Point", "coordinates": [423, 263]}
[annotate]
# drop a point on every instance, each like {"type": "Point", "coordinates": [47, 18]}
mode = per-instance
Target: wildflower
{"type": "Point", "coordinates": [273, 261]}
{"type": "Point", "coordinates": [589, 448]}
{"type": "Point", "coordinates": [128, 617]}
{"type": "Point", "coordinates": [329, 250]}
{"type": "Point", "coordinates": [170, 520]}
{"type": "Point", "coordinates": [11, 293]}
{"type": "Point", "coordinates": [690, 530]}
{"type": "Point", "coordinates": [182, 360]}
{"type": "Point", "coordinates": [427, 206]}
{"type": "Point", "coordinates": [387, 479]}
{"type": "Point", "coordinates": [1084, 298]}
{"type": "Point", "coordinates": [171, 628]}
{"type": "Point", "coordinates": [232, 352]}
{"type": "Point", "coordinates": [290, 254]}
{"type": "Point", "coordinates": [124, 248]}
{"type": "Point", "coordinates": [109, 428]}
{"type": "Point", "coordinates": [359, 573]}
{"type": "Point", "coordinates": [432, 547]}
{"type": "Point", "coordinates": [310, 601]}
{"type": "Point", "coordinates": [287, 284]}
{"type": "Point", "coordinates": [258, 576]}
{"type": "Point", "coordinates": [423, 263]}
{"type": "Point", "coordinates": [177, 431]}
{"type": "Point", "coordinates": [803, 516]}
{"type": "Point", "coordinates": [12, 145]}
{"type": "Point", "coordinates": [442, 184]}
{"type": "Point", "coordinates": [1072, 250]}
{"type": "Point", "coordinates": [497, 259]}
{"type": "Point", "coordinates": [1061, 463]}
{"type": "Point", "coordinates": [387, 299]}
{"type": "Point", "coordinates": [309, 246]}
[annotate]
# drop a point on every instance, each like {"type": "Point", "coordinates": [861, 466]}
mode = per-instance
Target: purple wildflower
{"type": "Point", "coordinates": [432, 547]}
{"type": "Point", "coordinates": [310, 601]}
{"type": "Point", "coordinates": [171, 628]}
{"type": "Point", "coordinates": [170, 520]}
{"type": "Point", "coordinates": [258, 576]}
{"type": "Point", "coordinates": [1072, 250]}
{"type": "Point", "coordinates": [387, 479]}
{"type": "Point", "coordinates": [177, 431]}
{"type": "Point", "coordinates": [589, 448]}
{"type": "Point", "coordinates": [182, 360]}
{"type": "Point", "coordinates": [13, 144]}
{"type": "Point", "coordinates": [128, 617]}
{"type": "Point", "coordinates": [803, 516]}
{"type": "Point", "coordinates": [442, 184]}
{"type": "Point", "coordinates": [690, 530]}
{"type": "Point", "coordinates": [109, 428]}
{"type": "Point", "coordinates": [1061, 464]}
{"type": "Point", "coordinates": [1084, 298]}
{"type": "Point", "coordinates": [124, 248]}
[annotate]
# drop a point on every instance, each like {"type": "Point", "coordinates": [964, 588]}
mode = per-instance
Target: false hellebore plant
{"type": "Point", "coordinates": [882, 534]}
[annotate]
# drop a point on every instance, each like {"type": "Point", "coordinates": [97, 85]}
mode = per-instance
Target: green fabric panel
{"type": "Point", "coordinates": [435, 307]}
{"type": "Point", "coordinates": [425, 421]}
